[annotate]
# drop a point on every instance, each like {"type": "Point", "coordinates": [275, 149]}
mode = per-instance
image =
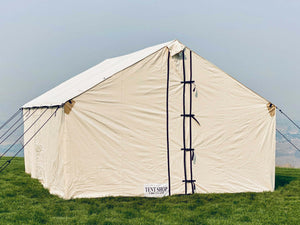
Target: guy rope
{"type": "Point", "coordinates": [7, 162]}
{"type": "Point", "coordinates": [284, 136]}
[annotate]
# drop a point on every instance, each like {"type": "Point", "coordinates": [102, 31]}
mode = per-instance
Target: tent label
{"type": "Point", "coordinates": [156, 190]}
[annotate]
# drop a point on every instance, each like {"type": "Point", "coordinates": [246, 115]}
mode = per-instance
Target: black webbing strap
{"type": "Point", "coordinates": [188, 115]}
{"type": "Point", "coordinates": [189, 181]}
{"type": "Point", "coordinates": [167, 121]}
{"type": "Point", "coordinates": [183, 125]}
{"type": "Point", "coordinates": [191, 116]}
{"type": "Point", "coordinates": [5, 164]}
{"type": "Point", "coordinates": [11, 118]}
{"type": "Point", "coordinates": [187, 82]}
{"type": "Point", "coordinates": [23, 133]}
{"type": "Point", "coordinates": [187, 149]}
{"type": "Point", "coordinates": [194, 118]}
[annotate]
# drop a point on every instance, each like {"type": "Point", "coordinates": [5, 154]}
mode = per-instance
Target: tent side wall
{"type": "Point", "coordinates": [235, 141]}
{"type": "Point", "coordinates": [43, 155]}
{"type": "Point", "coordinates": [115, 133]}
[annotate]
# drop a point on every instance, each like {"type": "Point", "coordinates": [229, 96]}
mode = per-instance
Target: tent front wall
{"type": "Point", "coordinates": [111, 140]}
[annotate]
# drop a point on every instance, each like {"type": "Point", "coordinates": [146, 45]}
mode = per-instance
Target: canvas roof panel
{"type": "Point", "coordinates": [93, 76]}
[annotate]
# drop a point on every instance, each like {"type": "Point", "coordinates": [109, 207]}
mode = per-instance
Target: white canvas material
{"type": "Point", "coordinates": [95, 75]}
{"type": "Point", "coordinates": [109, 136]}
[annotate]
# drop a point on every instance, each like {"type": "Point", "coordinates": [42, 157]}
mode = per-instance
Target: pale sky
{"type": "Point", "coordinates": [44, 43]}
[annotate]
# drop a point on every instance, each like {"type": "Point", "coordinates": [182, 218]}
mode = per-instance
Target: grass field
{"type": "Point", "coordinates": [24, 201]}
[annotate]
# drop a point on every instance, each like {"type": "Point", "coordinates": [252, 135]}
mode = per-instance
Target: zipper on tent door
{"type": "Point", "coordinates": [189, 115]}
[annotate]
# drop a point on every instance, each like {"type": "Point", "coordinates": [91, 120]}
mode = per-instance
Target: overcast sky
{"type": "Point", "coordinates": [43, 43]}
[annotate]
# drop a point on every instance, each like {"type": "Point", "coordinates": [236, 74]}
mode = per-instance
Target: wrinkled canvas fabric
{"type": "Point", "coordinates": [110, 139]}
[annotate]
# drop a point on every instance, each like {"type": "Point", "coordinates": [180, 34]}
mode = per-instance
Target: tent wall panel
{"type": "Point", "coordinates": [116, 133]}
{"type": "Point", "coordinates": [235, 143]}
{"type": "Point", "coordinates": [43, 155]}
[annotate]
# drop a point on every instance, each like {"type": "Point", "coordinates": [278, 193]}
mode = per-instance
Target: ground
{"type": "Point", "coordinates": [24, 201]}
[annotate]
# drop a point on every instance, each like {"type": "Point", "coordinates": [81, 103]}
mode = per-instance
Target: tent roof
{"type": "Point", "coordinates": [93, 76]}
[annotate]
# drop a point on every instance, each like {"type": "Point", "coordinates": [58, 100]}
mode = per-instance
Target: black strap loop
{"type": "Point", "coordinates": [189, 181]}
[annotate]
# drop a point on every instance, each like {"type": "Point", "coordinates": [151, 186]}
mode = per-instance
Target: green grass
{"type": "Point", "coordinates": [24, 201]}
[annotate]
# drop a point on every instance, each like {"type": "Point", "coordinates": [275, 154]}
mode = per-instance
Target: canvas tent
{"type": "Point", "coordinates": [159, 121]}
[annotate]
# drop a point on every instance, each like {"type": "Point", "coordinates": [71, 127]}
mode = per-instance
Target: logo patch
{"type": "Point", "coordinates": [156, 190]}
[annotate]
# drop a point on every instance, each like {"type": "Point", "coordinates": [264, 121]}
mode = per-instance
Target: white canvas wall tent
{"type": "Point", "coordinates": [159, 121]}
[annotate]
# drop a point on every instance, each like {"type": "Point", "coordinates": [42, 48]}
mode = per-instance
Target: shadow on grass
{"type": "Point", "coordinates": [281, 180]}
